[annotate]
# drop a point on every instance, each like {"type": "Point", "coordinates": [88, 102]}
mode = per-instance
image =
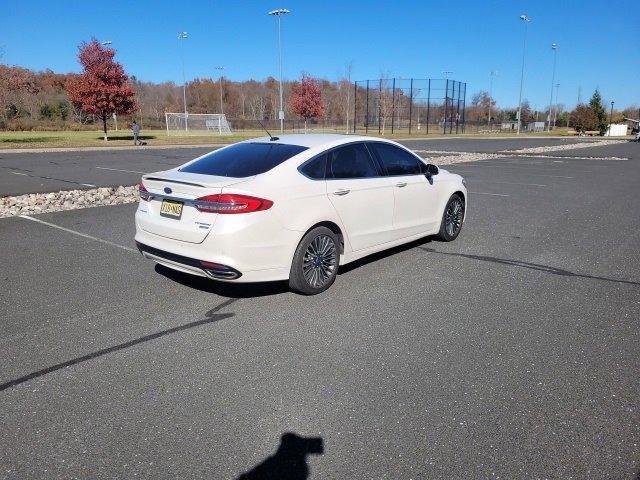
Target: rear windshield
{"type": "Point", "coordinates": [243, 159]}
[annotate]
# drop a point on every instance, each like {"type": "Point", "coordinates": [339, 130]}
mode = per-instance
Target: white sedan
{"type": "Point", "coordinates": [294, 208]}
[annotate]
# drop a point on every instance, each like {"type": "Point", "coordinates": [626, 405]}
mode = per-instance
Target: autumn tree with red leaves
{"type": "Point", "coordinates": [102, 88]}
{"type": "Point", "coordinates": [306, 99]}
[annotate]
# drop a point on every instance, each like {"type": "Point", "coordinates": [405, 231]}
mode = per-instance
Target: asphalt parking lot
{"type": "Point", "coordinates": [51, 171]}
{"type": "Point", "coordinates": [512, 352]}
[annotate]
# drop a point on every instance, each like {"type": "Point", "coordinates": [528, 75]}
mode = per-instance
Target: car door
{"type": "Point", "coordinates": [361, 195]}
{"type": "Point", "coordinates": [415, 197]}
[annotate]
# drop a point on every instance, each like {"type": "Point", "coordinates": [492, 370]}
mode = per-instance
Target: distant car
{"type": "Point", "coordinates": [294, 208]}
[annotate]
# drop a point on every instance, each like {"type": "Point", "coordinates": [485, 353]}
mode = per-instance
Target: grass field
{"type": "Point", "coordinates": [60, 139]}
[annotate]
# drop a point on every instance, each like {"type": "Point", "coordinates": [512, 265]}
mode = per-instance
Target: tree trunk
{"type": "Point", "coordinates": [305, 125]}
{"type": "Point", "coordinates": [104, 125]}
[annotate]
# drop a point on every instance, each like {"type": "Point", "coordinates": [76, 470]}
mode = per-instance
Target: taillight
{"type": "Point", "coordinates": [231, 203]}
{"type": "Point", "coordinates": [144, 193]}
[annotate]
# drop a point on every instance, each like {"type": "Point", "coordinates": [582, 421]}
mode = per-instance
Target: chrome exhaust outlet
{"type": "Point", "coordinates": [221, 274]}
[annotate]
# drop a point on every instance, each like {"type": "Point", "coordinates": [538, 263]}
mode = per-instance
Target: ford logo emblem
{"type": "Point", "coordinates": [167, 190]}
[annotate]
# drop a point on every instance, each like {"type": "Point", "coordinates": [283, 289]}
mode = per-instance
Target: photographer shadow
{"type": "Point", "coordinates": [290, 460]}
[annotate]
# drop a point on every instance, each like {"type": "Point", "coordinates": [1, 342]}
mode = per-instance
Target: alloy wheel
{"type": "Point", "coordinates": [454, 216]}
{"type": "Point", "coordinates": [320, 261]}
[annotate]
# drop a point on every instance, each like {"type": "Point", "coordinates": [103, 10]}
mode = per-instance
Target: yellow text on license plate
{"type": "Point", "coordinates": [171, 208]}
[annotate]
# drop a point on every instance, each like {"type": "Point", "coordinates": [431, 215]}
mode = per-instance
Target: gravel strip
{"type": "Point", "coordinates": [570, 146]}
{"type": "Point", "coordinates": [34, 203]}
{"type": "Point", "coordinates": [461, 157]}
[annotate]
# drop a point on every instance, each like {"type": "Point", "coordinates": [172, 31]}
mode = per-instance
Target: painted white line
{"type": "Point", "coordinates": [118, 170]}
{"type": "Point", "coordinates": [88, 185]}
{"type": "Point", "coordinates": [515, 183]}
{"type": "Point", "coordinates": [527, 174]}
{"type": "Point", "coordinates": [485, 193]}
{"type": "Point", "coordinates": [18, 173]}
{"type": "Point", "coordinates": [107, 242]}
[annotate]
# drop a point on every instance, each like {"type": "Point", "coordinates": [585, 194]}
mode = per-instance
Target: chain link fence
{"type": "Point", "coordinates": [409, 106]}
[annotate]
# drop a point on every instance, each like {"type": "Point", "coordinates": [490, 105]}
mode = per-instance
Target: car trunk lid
{"type": "Point", "coordinates": [178, 218]}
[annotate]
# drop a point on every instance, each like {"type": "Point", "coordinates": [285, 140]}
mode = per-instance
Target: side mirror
{"type": "Point", "coordinates": [430, 170]}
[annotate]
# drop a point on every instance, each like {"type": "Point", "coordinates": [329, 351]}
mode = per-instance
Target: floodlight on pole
{"type": "Point", "coordinates": [446, 73]}
{"type": "Point", "coordinates": [279, 12]}
{"type": "Point", "coordinates": [220, 69]}
{"type": "Point", "coordinates": [610, 119]}
{"type": "Point", "coordinates": [114, 115]}
{"type": "Point", "coordinates": [555, 112]}
{"type": "Point", "coordinates": [184, 36]}
{"type": "Point", "coordinates": [492, 74]}
{"type": "Point", "coordinates": [554, 47]}
{"type": "Point", "coordinates": [526, 20]}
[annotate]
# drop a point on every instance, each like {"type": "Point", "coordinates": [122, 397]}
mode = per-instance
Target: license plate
{"type": "Point", "coordinates": [171, 209]}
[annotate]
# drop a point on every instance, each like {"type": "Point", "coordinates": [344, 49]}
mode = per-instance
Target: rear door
{"type": "Point", "coordinates": [415, 198]}
{"type": "Point", "coordinates": [361, 195]}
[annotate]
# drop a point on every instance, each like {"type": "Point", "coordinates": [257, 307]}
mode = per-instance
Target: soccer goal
{"type": "Point", "coordinates": [196, 123]}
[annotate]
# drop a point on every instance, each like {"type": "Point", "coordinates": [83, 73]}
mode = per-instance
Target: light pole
{"type": "Point", "coordinates": [526, 20]}
{"type": "Point", "coordinates": [492, 74]}
{"type": "Point", "coordinates": [554, 47]}
{"type": "Point", "coordinates": [555, 111]}
{"type": "Point", "coordinates": [184, 36]}
{"type": "Point", "coordinates": [279, 12]}
{"type": "Point", "coordinates": [610, 117]}
{"type": "Point", "coordinates": [446, 73]}
{"type": "Point", "coordinates": [220, 69]}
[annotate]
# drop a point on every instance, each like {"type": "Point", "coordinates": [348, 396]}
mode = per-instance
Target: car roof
{"type": "Point", "coordinates": [312, 140]}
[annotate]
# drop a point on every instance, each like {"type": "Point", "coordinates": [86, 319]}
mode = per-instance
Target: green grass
{"type": "Point", "coordinates": [60, 139]}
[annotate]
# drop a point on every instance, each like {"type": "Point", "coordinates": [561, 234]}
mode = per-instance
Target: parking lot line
{"type": "Point", "coordinates": [528, 174]}
{"type": "Point", "coordinates": [119, 170]}
{"type": "Point", "coordinates": [80, 234]}
{"type": "Point", "coordinates": [515, 183]}
{"type": "Point", "coordinates": [486, 193]}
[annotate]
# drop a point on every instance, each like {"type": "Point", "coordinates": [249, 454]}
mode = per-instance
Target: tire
{"type": "Point", "coordinates": [315, 263]}
{"type": "Point", "coordinates": [452, 218]}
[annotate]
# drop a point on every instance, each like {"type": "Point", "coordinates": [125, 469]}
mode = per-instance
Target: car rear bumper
{"type": "Point", "coordinates": [189, 265]}
{"type": "Point", "coordinates": [258, 250]}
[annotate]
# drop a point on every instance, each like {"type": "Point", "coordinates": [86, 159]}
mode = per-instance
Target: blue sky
{"type": "Point", "coordinates": [598, 41]}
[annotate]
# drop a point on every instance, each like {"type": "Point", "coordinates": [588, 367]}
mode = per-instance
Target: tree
{"type": "Point", "coordinates": [103, 87]}
{"type": "Point", "coordinates": [598, 109]}
{"type": "Point", "coordinates": [583, 118]}
{"type": "Point", "coordinates": [306, 99]}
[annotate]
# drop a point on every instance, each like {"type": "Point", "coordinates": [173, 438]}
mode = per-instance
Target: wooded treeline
{"type": "Point", "coordinates": [38, 101]}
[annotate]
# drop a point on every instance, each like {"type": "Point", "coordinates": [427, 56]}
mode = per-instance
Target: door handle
{"type": "Point", "coordinates": [401, 184]}
{"type": "Point", "coordinates": [341, 191]}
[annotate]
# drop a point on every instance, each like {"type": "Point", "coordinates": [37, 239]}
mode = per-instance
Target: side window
{"type": "Point", "coordinates": [351, 161]}
{"type": "Point", "coordinates": [397, 161]}
{"type": "Point", "coordinates": [315, 169]}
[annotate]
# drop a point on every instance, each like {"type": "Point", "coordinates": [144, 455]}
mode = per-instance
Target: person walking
{"type": "Point", "coordinates": [135, 128]}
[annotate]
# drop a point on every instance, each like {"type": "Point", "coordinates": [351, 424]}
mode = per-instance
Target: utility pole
{"type": "Point", "coordinates": [184, 36]}
{"type": "Point", "coordinates": [492, 74]}
{"type": "Point", "coordinates": [610, 117]}
{"type": "Point", "coordinates": [555, 111]}
{"type": "Point", "coordinates": [279, 13]}
{"type": "Point", "coordinates": [220, 69]}
{"type": "Point", "coordinates": [554, 47]}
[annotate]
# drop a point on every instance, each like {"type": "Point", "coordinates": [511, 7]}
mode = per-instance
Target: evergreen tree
{"type": "Point", "coordinates": [598, 109]}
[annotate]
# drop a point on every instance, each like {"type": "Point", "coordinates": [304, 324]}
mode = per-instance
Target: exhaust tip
{"type": "Point", "coordinates": [217, 271]}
